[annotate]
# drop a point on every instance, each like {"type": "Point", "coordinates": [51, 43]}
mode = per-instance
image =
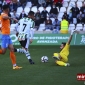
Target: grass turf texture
{"type": "Point", "coordinates": [43, 73]}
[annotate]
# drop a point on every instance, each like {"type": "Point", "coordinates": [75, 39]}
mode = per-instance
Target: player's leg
{"type": "Point", "coordinates": [61, 63]}
{"type": "Point", "coordinates": [25, 45]}
{"type": "Point", "coordinates": [4, 44]}
{"type": "Point", "coordinates": [3, 50]}
{"type": "Point", "coordinates": [28, 56]}
{"type": "Point", "coordinates": [27, 52]}
{"type": "Point", "coordinates": [24, 49]}
{"type": "Point", "coordinates": [20, 50]}
{"type": "Point", "coordinates": [12, 55]}
{"type": "Point", "coordinates": [56, 56]}
{"type": "Point", "coordinates": [60, 59]}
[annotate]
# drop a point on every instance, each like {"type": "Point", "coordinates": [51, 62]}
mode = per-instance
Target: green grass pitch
{"type": "Point", "coordinates": [43, 73]}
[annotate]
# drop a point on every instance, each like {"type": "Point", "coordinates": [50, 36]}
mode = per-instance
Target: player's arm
{"type": "Point", "coordinates": [32, 31]}
{"type": "Point", "coordinates": [70, 38]}
{"type": "Point", "coordinates": [31, 35]}
{"type": "Point", "coordinates": [7, 17]}
{"type": "Point", "coordinates": [0, 25]}
{"type": "Point", "coordinates": [16, 28]}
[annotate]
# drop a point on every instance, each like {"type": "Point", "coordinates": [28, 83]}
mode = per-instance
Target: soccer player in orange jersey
{"type": "Point", "coordinates": [6, 40]}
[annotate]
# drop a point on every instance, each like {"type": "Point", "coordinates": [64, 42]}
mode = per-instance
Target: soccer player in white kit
{"type": "Point", "coordinates": [25, 33]}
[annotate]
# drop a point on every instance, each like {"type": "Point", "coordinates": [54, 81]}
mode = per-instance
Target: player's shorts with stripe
{"type": "Point", "coordinates": [25, 43]}
{"type": "Point", "coordinates": [64, 57]}
{"type": "Point", "coordinates": [5, 41]}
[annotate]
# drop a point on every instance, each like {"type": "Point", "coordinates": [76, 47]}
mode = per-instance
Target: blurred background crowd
{"type": "Point", "coordinates": [50, 15]}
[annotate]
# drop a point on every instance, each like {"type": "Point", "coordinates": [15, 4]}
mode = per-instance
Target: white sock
{"type": "Point", "coordinates": [14, 64]}
{"type": "Point", "coordinates": [27, 54]}
{"type": "Point", "coordinates": [20, 50]}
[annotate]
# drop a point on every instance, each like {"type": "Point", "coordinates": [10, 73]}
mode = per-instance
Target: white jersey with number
{"type": "Point", "coordinates": [25, 28]}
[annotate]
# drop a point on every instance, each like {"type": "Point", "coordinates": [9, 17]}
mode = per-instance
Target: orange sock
{"type": "Point", "coordinates": [1, 52]}
{"type": "Point", "coordinates": [13, 58]}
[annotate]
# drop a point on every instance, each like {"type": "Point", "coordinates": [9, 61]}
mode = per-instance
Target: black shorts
{"type": "Point", "coordinates": [24, 43]}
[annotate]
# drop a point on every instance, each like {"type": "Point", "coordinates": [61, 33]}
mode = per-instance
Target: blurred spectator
{"type": "Point", "coordinates": [75, 11]}
{"type": "Point", "coordinates": [4, 2]}
{"type": "Point", "coordinates": [15, 16]}
{"type": "Point", "coordinates": [34, 2]}
{"type": "Point", "coordinates": [82, 9]}
{"type": "Point", "coordinates": [15, 6]}
{"type": "Point", "coordinates": [65, 15]}
{"type": "Point", "coordinates": [1, 3]}
{"type": "Point", "coordinates": [42, 2]}
{"type": "Point", "coordinates": [8, 1]}
{"type": "Point", "coordinates": [28, 0]}
{"type": "Point", "coordinates": [11, 6]}
{"type": "Point", "coordinates": [0, 10]}
{"type": "Point", "coordinates": [23, 3]}
{"type": "Point", "coordinates": [49, 3]}
{"type": "Point", "coordinates": [37, 18]}
{"type": "Point", "coordinates": [64, 26]}
{"type": "Point", "coordinates": [48, 24]}
{"type": "Point", "coordinates": [56, 25]}
{"type": "Point", "coordinates": [22, 15]}
{"type": "Point", "coordinates": [53, 11]}
{"type": "Point", "coordinates": [58, 3]}
{"type": "Point", "coordinates": [43, 15]}
{"type": "Point", "coordinates": [81, 18]}
{"type": "Point", "coordinates": [18, 4]}
{"type": "Point", "coordinates": [15, 0]}
{"type": "Point", "coordinates": [10, 16]}
{"type": "Point", "coordinates": [70, 17]}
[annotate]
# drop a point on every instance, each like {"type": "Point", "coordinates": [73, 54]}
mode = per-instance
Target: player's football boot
{"type": "Point", "coordinates": [67, 64]}
{"type": "Point", "coordinates": [57, 58]}
{"type": "Point", "coordinates": [16, 67]}
{"type": "Point", "coordinates": [31, 62]}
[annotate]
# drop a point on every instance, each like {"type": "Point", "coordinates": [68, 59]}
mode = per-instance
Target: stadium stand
{"type": "Point", "coordinates": [26, 9]}
{"type": "Point", "coordinates": [13, 27]}
{"type": "Point", "coordinates": [19, 10]}
{"type": "Point", "coordinates": [40, 9]}
{"type": "Point", "coordinates": [66, 7]}
{"type": "Point", "coordinates": [71, 27]}
{"type": "Point", "coordinates": [29, 4]}
{"type": "Point", "coordinates": [65, 4]}
{"type": "Point", "coordinates": [41, 27]}
{"type": "Point", "coordinates": [48, 9]}
{"type": "Point", "coordinates": [79, 3]}
{"type": "Point", "coordinates": [34, 9]}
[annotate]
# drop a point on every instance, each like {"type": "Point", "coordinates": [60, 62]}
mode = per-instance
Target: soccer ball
{"type": "Point", "coordinates": [44, 59]}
